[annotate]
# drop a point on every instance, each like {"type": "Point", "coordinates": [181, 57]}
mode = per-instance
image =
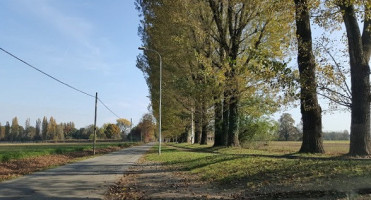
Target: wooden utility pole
{"type": "Point", "coordinates": [95, 122]}
{"type": "Point", "coordinates": [131, 127]}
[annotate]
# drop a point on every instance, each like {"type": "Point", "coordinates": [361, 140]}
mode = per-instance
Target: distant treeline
{"type": "Point", "coordinates": [50, 130]}
{"type": "Point", "coordinates": [333, 135]}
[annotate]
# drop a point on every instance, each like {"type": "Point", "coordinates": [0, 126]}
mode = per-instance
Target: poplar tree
{"type": "Point", "coordinates": [44, 128]}
{"type": "Point", "coordinates": [52, 129]}
{"type": "Point", "coordinates": [14, 130]}
{"type": "Point", "coordinates": [7, 131]}
{"type": "Point", "coordinates": [38, 135]}
{"type": "Point", "coordinates": [218, 58]}
{"type": "Point", "coordinates": [2, 132]}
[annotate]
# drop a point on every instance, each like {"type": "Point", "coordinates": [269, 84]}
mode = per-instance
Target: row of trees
{"type": "Point", "coordinates": [289, 131]}
{"type": "Point", "coordinates": [225, 65]}
{"type": "Point", "coordinates": [43, 130]}
{"type": "Point", "coordinates": [50, 130]}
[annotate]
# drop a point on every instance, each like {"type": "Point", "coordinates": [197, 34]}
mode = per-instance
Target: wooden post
{"type": "Point", "coordinates": [131, 127]}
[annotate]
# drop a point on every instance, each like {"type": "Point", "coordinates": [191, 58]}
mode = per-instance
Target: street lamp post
{"type": "Point", "coordinates": [159, 129]}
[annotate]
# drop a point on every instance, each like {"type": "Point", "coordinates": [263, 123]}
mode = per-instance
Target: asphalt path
{"type": "Point", "coordinates": [87, 179]}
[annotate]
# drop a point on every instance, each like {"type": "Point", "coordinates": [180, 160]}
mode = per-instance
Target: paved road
{"type": "Point", "coordinates": [88, 179]}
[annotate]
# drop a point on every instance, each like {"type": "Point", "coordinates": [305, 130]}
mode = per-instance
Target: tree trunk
{"type": "Point", "coordinates": [198, 123]}
{"type": "Point", "coordinates": [204, 123]}
{"type": "Point", "coordinates": [225, 127]}
{"type": "Point", "coordinates": [233, 123]}
{"type": "Point", "coordinates": [360, 79]}
{"type": "Point", "coordinates": [218, 112]}
{"type": "Point", "coordinates": [310, 109]}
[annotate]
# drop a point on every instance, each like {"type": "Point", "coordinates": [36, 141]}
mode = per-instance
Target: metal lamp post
{"type": "Point", "coordinates": [159, 129]}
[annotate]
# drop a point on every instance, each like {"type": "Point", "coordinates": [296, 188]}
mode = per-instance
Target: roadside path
{"type": "Point", "coordinates": [87, 179]}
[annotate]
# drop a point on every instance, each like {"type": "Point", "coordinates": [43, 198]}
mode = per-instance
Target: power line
{"type": "Point", "coordinates": [108, 108]}
{"type": "Point", "coordinates": [52, 77]}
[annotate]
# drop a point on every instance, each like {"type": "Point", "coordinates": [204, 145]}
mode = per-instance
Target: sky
{"type": "Point", "coordinates": [91, 45]}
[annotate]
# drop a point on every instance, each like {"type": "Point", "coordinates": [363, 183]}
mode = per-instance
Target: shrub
{"type": "Point", "coordinates": [256, 129]}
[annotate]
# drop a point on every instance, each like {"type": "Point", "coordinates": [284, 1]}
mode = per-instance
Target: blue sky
{"type": "Point", "coordinates": [91, 45]}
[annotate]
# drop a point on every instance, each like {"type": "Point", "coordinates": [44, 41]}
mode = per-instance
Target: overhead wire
{"type": "Point", "coordinates": [56, 79]}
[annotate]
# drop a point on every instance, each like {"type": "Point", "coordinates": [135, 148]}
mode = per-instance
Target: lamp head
{"type": "Point", "coordinates": [142, 48]}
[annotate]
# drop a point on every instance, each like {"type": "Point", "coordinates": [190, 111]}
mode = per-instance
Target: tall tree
{"type": "Point", "coordinates": [2, 132]}
{"type": "Point", "coordinates": [38, 135]}
{"type": "Point", "coordinates": [359, 46]}
{"type": "Point", "coordinates": [208, 50]}
{"type": "Point", "coordinates": [51, 134]}
{"type": "Point", "coordinates": [7, 131]}
{"type": "Point", "coordinates": [59, 135]}
{"type": "Point", "coordinates": [243, 34]}
{"type": "Point", "coordinates": [147, 127]}
{"type": "Point", "coordinates": [15, 129]}
{"type": "Point", "coordinates": [309, 107]}
{"type": "Point", "coordinates": [287, 130]}
{"type": "Point", "coordinates": [44, 128]}
{"type": "Point", "coordinates": [124, 126]}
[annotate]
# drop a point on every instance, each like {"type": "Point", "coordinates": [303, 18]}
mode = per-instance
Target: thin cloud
{"type": "Point", "coordinates": [74, 27]}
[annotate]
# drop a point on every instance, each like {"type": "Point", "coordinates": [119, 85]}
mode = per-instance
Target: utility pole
{"type": "Point", "coordinates": [95, 122]}
{"type": "Point", "coordinates": [131, 127]}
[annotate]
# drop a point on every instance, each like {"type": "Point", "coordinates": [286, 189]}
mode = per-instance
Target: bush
{"type": "Point", "coordinates": [60, 151]}
{"type": "Point", "coordinates": [256, 129]}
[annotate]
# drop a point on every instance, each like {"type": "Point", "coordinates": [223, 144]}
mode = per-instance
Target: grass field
{"type": "Point", "coordinates": [272, 169]}
{"type": "Point", "coordinates": [331, 147]}
{"type": "Point", "coordinates": [19, 151]}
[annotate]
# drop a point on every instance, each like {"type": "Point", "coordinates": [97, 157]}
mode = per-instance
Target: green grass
{"type": "Point", "coordinates": [19, 151]}
{"type": "Point", "coordinates": [269, 168]}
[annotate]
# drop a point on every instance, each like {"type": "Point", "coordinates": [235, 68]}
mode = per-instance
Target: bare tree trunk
{"type": "Point", "coordinates": [360, 79]}
{"type": "Point", "coordinates": [310, 109]}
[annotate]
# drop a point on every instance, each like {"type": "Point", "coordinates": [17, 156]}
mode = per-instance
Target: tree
{"type": "Point", "coordinates": [135, 133]}
{"type": "Point", "coordinates": [112, 131]}
{"type": "Point", "coordinates": [29, 131]}
{"type": "Point", "coordinates": [359, 46]}
{"type": "Point", "coordinates": [7, 131]}
{"type": "Point", "coordinates": [216, 54]}
{"type": "Point", "coordinates": [44, 128]}
{"type": "Point", "coordinates": [15, 130]}
{"type": "Point", "coordinates": [2, 132]}
{"type": "Point", "coordinates": [51, 129]}
{"type": "Point", "coordinates": [309, 107]}
{"type": "Point", "coordinates": [59, 135]}
{"type": "Point", "coordinates": [38, 135]}
{"type": "Point", "coordinates": [147, 127]}
{"type": "Point", "coordinates": [124, 126]}
{"type": "Point", "coordinates": [287, 130]}
{"type": "Point", "coordinates": [256, 129]}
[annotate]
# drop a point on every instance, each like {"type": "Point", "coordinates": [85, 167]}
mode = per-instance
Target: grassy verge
{"type": "Point", "coordinates": [19, 151]}
{"type": "Point", "coordinates": [268, 171]}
